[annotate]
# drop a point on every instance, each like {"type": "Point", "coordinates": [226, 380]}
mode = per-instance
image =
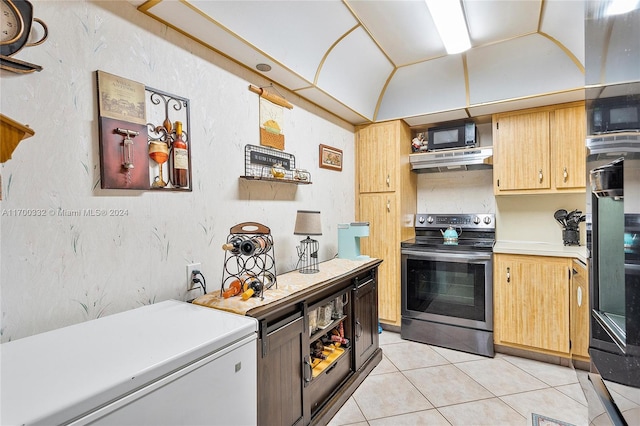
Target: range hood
{"type": "Point", "coordinates": [452, 160]}
{"type": "Point", "coordinates": [614, 143]}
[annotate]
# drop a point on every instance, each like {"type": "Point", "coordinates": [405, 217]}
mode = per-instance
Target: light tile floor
{"type": "Point", "coordinates": [419, 384]}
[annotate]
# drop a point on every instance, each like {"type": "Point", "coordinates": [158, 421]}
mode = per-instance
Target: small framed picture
{"type": "Point", "coordinates": [330, 158]}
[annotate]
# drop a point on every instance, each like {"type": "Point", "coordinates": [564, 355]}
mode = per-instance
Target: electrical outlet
{"type": "Point", "coordinates": [190, 268]}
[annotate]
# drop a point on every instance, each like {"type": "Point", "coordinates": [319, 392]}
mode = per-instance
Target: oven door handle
{"type": "Point", "coordinates": [632, 267]}
{"type": "Point", "coordinates": [449, 257]}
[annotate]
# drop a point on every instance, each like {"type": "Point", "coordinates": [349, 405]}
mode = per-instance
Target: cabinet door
{"type": "Point", "coordinates": [569, 150]}
{"type": "Point", "coordinates": [280, 375]}
{"type": "Point", "coordinates": [521, 151]}
{"type": "Point", "coordinates": [580, 310]}
{"type": "Point", "coordinates": [380, 210]}
{"type": "Point", "coordinates": [376, 153]}
{"type": "Point", "coordinates": [365, 313]}
{"type": "Point", "coordinates": [532, 302]}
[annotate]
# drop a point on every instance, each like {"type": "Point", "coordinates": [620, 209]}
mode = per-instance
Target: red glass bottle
{"type": "Point", "coordinates": [180, 159]}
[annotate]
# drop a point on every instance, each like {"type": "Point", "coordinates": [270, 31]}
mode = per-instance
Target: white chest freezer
{"type": "Point", "coordinates": [171, 363]}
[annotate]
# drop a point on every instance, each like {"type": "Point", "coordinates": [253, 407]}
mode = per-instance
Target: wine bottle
{"type": "Point", "coordinates": [255, 245]}
{"type": "Point", "coordinates": [180, 159]}
{"type": "Point", "coordinates": [234, 289]}
{"type": "Point", "coordinates": [252, 288]}
{"type": "Point", "coordinates": [233, 245]}
{"type": "Point", "coordinates": [247, 247]}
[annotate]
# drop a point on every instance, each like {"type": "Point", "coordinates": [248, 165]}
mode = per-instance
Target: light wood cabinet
{"type": "Point", "coordinates": [531, 299]}
{"type": "Point", "coordinates": [383, 242]}
{"type": "Point", "coordinates": [386, 198]}
{"type": "Point", "coordinates": [580, 310]}
{"type": "Point", "coordinates": [540, 150]}
{"type": "Point", "coordinates": [378, 157]}
{"type": "Point", "coordinates": [569, 151]}
{"type": "Point", "coordinates": [521, 151]}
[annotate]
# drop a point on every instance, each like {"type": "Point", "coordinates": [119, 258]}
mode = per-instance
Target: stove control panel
{"type": "Point", "coordinates": [465, 221]}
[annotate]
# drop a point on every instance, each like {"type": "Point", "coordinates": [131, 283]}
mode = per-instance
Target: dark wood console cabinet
{"type": "Point", "coordinates": [290, 390]}
{"type": "Point", "coordinates": [365, 314]}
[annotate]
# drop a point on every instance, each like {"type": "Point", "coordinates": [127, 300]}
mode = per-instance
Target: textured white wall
{"type": "Point", "coordinates": [529, 218]}
{"type": "Point", "coordinates": [456, 192]}
{"type": "Point", "coordinates": [58, 270]}
{"type": "Point", "coordinates": [522, 218]}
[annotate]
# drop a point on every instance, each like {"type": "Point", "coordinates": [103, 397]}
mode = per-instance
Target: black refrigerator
{"type": "Point", "coordinates": [612, 92]}
{"type": "Point", "coordinates": [612, 74]}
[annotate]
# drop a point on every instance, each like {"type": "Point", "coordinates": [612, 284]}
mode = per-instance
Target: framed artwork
{"type": "Point", "coordinates": [330, 158]}
{"type": "Point", "coordinates": [124, 161]}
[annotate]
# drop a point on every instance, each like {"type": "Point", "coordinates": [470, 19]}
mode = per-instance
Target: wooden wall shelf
{"type": "Point", "coordinates": [295, 182]}
{"type": "Point", "coordinates": [12, 134]}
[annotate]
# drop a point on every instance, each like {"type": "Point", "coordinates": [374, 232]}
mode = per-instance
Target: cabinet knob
{"type": "Point", "coordinates": [579, 296]}
{"type": "Point", "coordinates": [508, 275]}
{"type": "Point", "coordinates": [540, 176]}
{"type": "Point", "coordinates": [389, 205]}
{"type": "Point", "coordinates": [388, 180]}
{"type": "Point", "coordinates": [565, 174]}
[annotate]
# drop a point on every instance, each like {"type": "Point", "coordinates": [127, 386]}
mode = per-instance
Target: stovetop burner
{"type": "Point", "coordinates": [476, 232]}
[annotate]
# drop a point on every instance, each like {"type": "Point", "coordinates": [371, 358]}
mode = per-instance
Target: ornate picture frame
{"type": "Point", "coordinates": [330, 158]}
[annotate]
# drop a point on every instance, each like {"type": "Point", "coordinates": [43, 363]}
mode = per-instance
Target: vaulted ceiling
{"type": "Point", "coordinates": [369, 61]}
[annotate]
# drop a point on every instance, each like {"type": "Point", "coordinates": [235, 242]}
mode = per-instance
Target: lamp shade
{"type": "Point", "coordinates": [308, 223]}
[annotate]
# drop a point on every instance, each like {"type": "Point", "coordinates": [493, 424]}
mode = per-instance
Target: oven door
{"type": "Point", "coordinates": [448, 287]}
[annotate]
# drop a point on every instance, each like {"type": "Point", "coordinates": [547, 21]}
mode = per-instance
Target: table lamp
{"type": "Point", "coordinates": [308, 223]}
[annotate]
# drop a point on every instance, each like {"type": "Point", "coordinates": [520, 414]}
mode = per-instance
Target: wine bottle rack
{"type": "Point", "coordinates": [249, 254]}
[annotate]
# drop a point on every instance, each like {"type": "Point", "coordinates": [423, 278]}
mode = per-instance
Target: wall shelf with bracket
{"type": "Point", "coordinates": [264, 179]}
{"type": "Point", "coordinates": [12, 134]}
{"type": "Point", "coordinates": [272, 165]}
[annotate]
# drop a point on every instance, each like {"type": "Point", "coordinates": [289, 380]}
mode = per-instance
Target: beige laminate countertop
{"type": "Point", "coordinates": [286, 285]}
{"type": "Point", "coordinates": [536, 248]}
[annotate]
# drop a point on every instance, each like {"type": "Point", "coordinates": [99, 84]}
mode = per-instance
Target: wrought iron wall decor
{"type": "Point", "coordinates": [137, 125]}
{"type": "Point", "coordinates": [164, 110]}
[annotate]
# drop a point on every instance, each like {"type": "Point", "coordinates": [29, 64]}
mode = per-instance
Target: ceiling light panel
{"type": "Point", "coordinates": [494, 21]}
{"type": "Point", "coordinates": [295, 33]}
{"type": "Point", "coordinates": [451, 25]}
{"type": "Point", "coordinates": [427, 87]}
{"type": "Point", "coordinates": [416, 39]}
{"type": "Point", "coordinates": [619, 7]}
{"type": "Point", "coordinates": [355, 72]}
{"type": "Point", "coordinates": [513, 69]}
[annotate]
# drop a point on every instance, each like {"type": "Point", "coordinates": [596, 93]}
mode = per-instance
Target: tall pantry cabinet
{"type": "Point", "coordinates": [386, 198]}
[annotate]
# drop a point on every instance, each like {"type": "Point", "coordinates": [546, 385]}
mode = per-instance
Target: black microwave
{"type": "Point", "coordinates": [448, 137]}
{"type": "Point", "coordinates": [619, 114]}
